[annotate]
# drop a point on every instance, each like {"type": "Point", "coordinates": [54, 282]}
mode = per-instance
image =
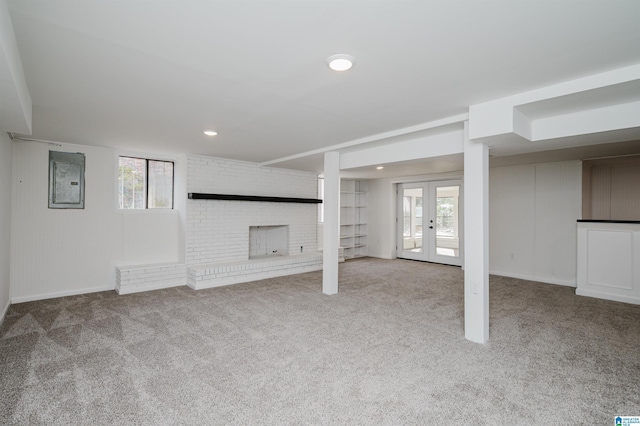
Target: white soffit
{"type": "Point", "coordinates": [418, 167]}
{"type": "Point", "coordinates": [615, 94]}
{"type": "Point", "coordinates": [603, 139]}
{"type": "Point", "coordinates": [437, 145]}
{"type": "Point", "coordinates": [597, 104]}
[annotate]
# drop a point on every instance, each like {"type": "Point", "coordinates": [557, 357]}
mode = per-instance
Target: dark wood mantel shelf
{"type": "Point", "coordinates": [230, 197]}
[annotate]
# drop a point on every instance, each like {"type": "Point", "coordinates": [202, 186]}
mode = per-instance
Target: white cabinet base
{"type": "Point", "coordinates": [609, 261]}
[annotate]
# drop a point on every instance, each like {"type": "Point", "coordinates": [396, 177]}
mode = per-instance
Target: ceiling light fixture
{"type": "Point", "coordinates": [379, 167]}
{"type": "Point", "coordinates": [210, 132]}
{"type": "Point", "coordinates": [340, 62]}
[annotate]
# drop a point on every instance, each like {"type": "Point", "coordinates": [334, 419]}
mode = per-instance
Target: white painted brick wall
{"type": "Point", "coordinates": [132, 279]}
{"type": "Point", "coordinates": [218, 231]}
{"type": "Point", "coordinates": [221, 274]}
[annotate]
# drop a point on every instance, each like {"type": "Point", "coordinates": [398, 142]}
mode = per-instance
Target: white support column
{"type": "Point", "coordinates": [476, 239]}
{"type": "Point", "coordinates": [331, 232]}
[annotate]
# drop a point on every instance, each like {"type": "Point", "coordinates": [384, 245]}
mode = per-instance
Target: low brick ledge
{"type": "Point", "coordinates": [146, 277]}
{"type": "Point", "coordinates": [210, 275]}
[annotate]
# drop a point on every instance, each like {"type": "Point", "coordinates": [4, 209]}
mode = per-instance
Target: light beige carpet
{"type": "Point", "coordinates": [388, 349]}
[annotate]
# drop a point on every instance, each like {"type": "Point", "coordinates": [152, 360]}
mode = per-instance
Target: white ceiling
{"type": "Point", "coordinates": [151, 76]}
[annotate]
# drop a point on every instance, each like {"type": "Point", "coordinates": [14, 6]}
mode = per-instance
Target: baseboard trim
{"type": "Point", "coordinates": [565, 283]}
{"type": "Point", "coordinates": [57, 294]}
{"type": "Point", "coordinates": [607, 296]}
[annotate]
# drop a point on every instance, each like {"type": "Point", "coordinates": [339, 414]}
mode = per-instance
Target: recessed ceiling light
{"type": "Point", "coordinates": [380, 167]}
{"type": "Point", "coordinates": [340, 62]}
{"type": "Point", "coordinates": [210, 132]}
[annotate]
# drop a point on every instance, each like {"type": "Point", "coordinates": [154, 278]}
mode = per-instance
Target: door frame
{"type": "Point", "coordinates": [429, 241]}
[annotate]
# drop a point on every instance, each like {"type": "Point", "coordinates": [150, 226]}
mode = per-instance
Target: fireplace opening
{"type": "Point", "coordinates": [266, 241]}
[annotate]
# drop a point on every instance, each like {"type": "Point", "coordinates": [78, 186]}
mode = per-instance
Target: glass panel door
{"type": "Point", "coordinates": [429, 228]}
{"type": "Point", "coordinates": [444, 222]}
{"type": "Point", "coordinates": [410, 221]}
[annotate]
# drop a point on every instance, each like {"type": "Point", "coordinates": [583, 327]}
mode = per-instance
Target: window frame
{"type": "Point", "coordinates": [146, 184]}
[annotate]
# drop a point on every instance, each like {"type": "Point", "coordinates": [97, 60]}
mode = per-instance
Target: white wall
{"type": "Point", "coordinates": [5, 222]}
{"type": "Point", "coordinates": [218, 231]}
{"type": "Point", "coordinates": [511, 218]}
{"type": "Point", "coordinates": [381, 220]}
{"type": "Point", "coordinates": [63, 252]}
{"type": "Point", "coordinates": [532, 220]}
{"type": "Point", "coordinates": [532, 212]}
{"type": "Point", "coordinates": [58, 252]}
{"type": "Point", "coordinates": [381, 227]}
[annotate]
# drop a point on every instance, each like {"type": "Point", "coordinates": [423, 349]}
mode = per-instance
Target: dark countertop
{"type": "Point", "coordinates": [609, 221]}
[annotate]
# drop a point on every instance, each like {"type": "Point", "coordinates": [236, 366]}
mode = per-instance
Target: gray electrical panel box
{"type": "Point", "coordinates": [66, 180]}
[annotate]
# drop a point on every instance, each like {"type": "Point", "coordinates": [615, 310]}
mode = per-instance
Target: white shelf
{"type": "Point", "coordinates": [353, 218]}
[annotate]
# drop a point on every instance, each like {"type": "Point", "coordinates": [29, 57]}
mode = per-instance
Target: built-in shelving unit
{"type": "Point", "coordinates": [353, 218]}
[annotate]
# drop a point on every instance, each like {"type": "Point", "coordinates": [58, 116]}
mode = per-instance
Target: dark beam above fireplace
{"type": "Point", "coordinates": [230, 197]}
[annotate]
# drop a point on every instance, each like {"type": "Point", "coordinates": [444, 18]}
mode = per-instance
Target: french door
{"type": "Point", "coordinates": [430, 221]}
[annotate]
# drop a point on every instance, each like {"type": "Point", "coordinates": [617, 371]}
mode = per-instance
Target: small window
{"type": "Point", "coordinates": [145, 184]}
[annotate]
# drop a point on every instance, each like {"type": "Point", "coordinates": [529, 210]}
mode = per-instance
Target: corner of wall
{"type": "Point", "coordinates": [6, 158]}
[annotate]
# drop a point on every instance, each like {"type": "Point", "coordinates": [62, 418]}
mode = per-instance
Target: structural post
{"type": "Point", "coordinates": [476, 239]}
{"type": "Point", "coordinates": [331, 235]}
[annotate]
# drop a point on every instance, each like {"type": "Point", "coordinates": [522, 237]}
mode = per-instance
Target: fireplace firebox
{"type": "Point", "coordinates": [266, 241]}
